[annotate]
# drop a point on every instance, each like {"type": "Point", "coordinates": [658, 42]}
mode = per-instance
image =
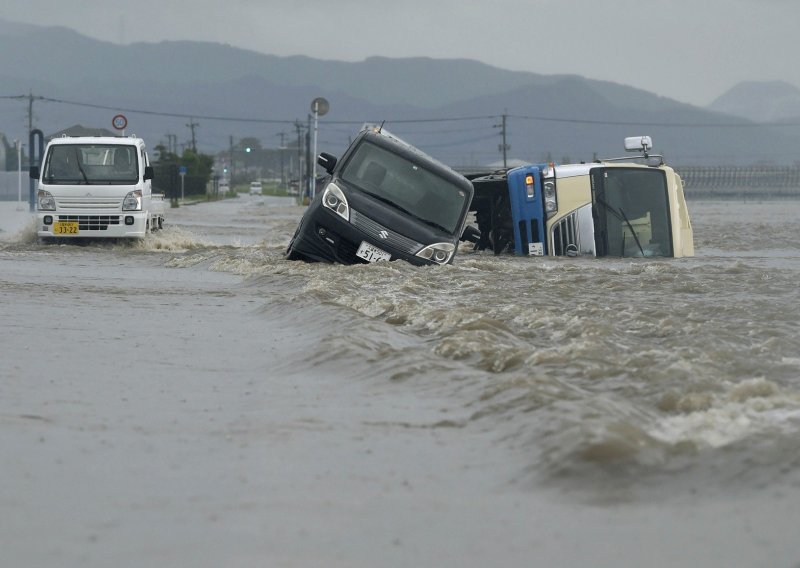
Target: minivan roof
{"type": "Point", "coordinates": [415, 154]}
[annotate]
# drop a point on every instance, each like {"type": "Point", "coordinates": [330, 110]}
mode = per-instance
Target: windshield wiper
{"type": "Point", "coordinates": [80, 167]}
{"type": "Point", "coordinates": [434, 224]}
{"type": "Point", "coordinates": [390, 202]}
{"type": "Point", "coordinates": [620, 215]}
{"type": "Point", "coordinates": [428, 222]}
{"type": "Point", "coordinates": [635, 236]}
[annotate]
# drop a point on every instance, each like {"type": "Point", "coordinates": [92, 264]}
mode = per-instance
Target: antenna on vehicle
{"type": "Point", "coordinates": [381, 126]}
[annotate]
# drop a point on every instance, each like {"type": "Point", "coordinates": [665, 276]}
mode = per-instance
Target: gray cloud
{"type": "Point", "coordinates": [688, 50]}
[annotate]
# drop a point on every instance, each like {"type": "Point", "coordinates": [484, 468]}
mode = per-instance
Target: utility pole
{"type": "Point", "coordinates": [309, 160]}
{"type": "Point", "coordinates": [192, 125]}
{"type": "Point", "coordinates": [30, 97]}
{"type": "Point", "coordinates": [301, 185]}
{"type": "Point", "coordinates": [233, 161]}
{"type": "Point", "coordinates": [172, 143]}
{"type": "Point", "coordinates": [281, 148]}
{"type": "Point", "coordinates": [503, 147]}
{"type": "Point", "coordinates": [30, 111]}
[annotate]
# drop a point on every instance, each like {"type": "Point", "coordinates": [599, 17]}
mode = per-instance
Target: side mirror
{"type": "Point", "coordinates": [638, 144]}
{"type": "Point", "coordinates": [471, 234]}
{"type": "Point", "coordinates": [327, 161]}
{"type": "Point", "coordinates": [34, 172]}
{"type": "Point", "coordinates": [148, 173]}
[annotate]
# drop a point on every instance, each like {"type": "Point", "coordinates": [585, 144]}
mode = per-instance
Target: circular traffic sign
{"type": "Point", "coordinates": [119, 122]}
{"type": "Point", "coordinates": [320, 106]}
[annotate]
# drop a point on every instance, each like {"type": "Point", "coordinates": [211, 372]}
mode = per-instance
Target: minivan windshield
{"type": "Point", "coordinates": [90, 164]}
{"type": "Point", "coordinates": [631, 212]}
{"type": "Point", "coordinates": [406, 185]}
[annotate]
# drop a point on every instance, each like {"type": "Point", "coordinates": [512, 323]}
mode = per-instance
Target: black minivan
{"type": "Point", "coordinates": [385, 200]}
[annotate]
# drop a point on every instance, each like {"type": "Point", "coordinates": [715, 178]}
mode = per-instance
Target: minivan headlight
{"type": "Point", "coordinates": [46, 201]}
{"type": "Point", "coordinates": [440, 253]}
{"type": "Point", "coordinates": [334, 199]}
{"type": "Point", "coordinates": [132, 201]}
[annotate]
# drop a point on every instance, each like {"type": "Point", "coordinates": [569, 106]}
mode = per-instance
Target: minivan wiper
{"type": "Point", "coordinates": [620, 215]}
{"type": "Point", "coordinates": [428, 222]}
{"type": "Point", "coordinates": [433, 224]}
{"type": "Point", "coordinates": [390, 202]}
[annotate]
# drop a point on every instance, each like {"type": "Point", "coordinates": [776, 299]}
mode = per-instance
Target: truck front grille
{"type": "Point", "coordinates": [564, 236]}
{"type": "Point", "coordinates": [92, 222]}
{"type": "Point", "coordinates": [89, 203]}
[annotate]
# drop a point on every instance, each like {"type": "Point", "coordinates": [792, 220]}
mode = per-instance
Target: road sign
{"type": "Point", "coordinates": [119, 122]}
{"type": "Point", "coordinates": [320, 106]}
{"type": "Point", "coordinates": [182, 170]}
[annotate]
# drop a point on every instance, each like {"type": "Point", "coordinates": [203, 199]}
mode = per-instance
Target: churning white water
{"type": "Point", "coordinates": [194, 399]}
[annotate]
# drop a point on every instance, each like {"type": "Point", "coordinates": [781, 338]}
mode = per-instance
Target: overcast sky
{"type": "Point", "coordinates": [689, 50]}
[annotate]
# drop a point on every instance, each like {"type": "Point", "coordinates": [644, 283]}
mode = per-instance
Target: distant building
{"type": "Point", "coordinates": [4, 152]}
{"type": "Point", "coordinates": [8, 154]}
{"type": "Point", "coordinates": [79, 130]}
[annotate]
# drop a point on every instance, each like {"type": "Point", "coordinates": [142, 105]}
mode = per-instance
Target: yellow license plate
{"type": "Point", "coordinates": [65, 228]}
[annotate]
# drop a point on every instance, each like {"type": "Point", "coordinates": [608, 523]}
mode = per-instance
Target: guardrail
{"type": "Point", "coordinates": [731, 181]}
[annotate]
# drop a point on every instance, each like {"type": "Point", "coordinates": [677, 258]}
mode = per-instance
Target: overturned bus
{"type": "Point", "coordinates": [622, 207]}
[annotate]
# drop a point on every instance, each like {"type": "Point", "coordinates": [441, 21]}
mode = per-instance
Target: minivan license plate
{"type": "Point", "coordinates": [372, 253]}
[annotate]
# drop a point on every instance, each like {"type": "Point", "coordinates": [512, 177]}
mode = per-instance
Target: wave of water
{"type": "Point", "coordinates": [635, 366]}
{"type": "Point", "coordinates": [586, 369]}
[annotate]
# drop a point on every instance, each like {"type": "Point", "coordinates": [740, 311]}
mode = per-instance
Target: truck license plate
{"type": "Point", "coordinates": [372, 253]}
{"type": "Point", "coordinates": [65, 228]}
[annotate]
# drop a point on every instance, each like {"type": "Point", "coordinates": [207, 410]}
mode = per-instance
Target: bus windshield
{"type": "Point", "coordinates": [631, 212]}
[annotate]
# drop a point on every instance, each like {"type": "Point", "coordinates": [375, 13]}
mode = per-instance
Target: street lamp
{"type": "Point", "coordinates": [18, 146]}
{"type": "Point", "coordinates": [319, 107]}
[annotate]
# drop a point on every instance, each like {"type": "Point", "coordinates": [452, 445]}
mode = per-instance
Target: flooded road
{"type": "Point", "coordinates": [196, 400]}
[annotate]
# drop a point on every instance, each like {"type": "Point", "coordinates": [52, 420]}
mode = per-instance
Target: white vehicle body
{"type": "Point", "coordinates": [96, 187]}
{"type": "Point", "coordinates": [620, 207]}
{"type": "Point", "coordinates": [255, 188]}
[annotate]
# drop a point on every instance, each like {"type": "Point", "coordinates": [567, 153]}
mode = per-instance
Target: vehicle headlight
{"type": "Point", "coordinates": [334, 199]}
{"type": "Point", "coordinates": [132, 201]}
{"type": "Point", "coordinates": [46, 201]}
{"type": "Point", "coordinates": [550, 200]}
{"type": "Point", "coordinates": [440, 253]}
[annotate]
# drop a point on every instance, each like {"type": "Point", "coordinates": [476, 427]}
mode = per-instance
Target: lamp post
{"type": "Point", "coordinates": [246, 172]}
{"type": "Point", "coordinates": [319, 107]}
{"type": "Point", "coordinates": [18, 146]}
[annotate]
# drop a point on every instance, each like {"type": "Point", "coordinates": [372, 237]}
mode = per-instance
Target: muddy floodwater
{"type": "Point", "coordinates": [196, 400]}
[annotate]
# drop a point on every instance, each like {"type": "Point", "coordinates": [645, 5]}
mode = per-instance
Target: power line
{"type": "Point", "coordinates": [30, 98]}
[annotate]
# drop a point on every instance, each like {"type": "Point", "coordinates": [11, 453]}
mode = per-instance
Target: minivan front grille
{"type": "Point", "coordinates": [92, 222]}
{"type": "Point", "coordinates": [382, 234]}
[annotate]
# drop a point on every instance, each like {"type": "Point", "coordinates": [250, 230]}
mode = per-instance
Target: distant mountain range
{"type": "Point", "coordinates": [770, 101]}
{"type": "Point", "coordinates": [453, 109]}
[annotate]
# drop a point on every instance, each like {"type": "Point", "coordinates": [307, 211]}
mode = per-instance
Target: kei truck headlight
{"type": "Point", "coordinates": [46, 201]}
{"type": "Point", "coordinates": [133, 201]}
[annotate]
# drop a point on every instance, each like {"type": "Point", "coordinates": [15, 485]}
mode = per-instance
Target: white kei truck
{"type": "Point", "coordinates": [96, 187]}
